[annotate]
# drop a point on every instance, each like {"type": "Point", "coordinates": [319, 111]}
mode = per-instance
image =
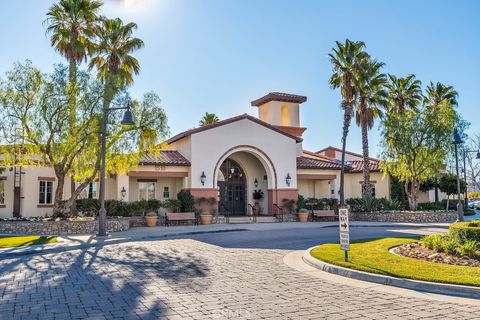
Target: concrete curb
{"type": "Point", "coordinates": [432, 287]}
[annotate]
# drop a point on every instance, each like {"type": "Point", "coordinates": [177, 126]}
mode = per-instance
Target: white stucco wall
{"type": "Point", "coordinates": [30, 192]}
{"type": "Point", "coordinates": [353, 186]}
{"type": "Point", "coordinates": [280, 113]}
{"type": "Point", "coordinates": [208, 147]}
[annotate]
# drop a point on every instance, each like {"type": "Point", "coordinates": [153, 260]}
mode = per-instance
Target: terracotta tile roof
{"type": "Point", "coordinates": [227, 121]}
{"type": "Point", "coordinates": [165, 158]}
{"type": "Point", "coordinates": [311, 154]}
{"type": "Point", "coordinates": [316, 163]}
{"type": "Point", "coordinates": [346, 151]}
{"type": "Point", "coordinates": [357, 165]}
{"type": "Point", "coordinates": [279, 96]}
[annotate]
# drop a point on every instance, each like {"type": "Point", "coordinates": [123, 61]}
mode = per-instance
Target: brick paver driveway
{"type": "Point", "coordinates": [187, 279]}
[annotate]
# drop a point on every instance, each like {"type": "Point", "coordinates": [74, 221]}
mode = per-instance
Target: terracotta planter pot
{"type": "Point", "coordinates": [206, 219]}
{"type": "Point", "coordinates": [151, 221]}
{"type": "Point", "coordinates": [303, 216]}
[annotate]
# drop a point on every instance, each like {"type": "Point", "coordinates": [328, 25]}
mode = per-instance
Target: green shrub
{"type": "Point", "coordinates": [429, 206]}
{"type": "Point", "coordinates": [288, 204]}
{"type": "Point", "coordinates": [434, 242]}
{"type": "Point", "coordinates": [187, 202]}
{"type": "Point", "coordinates": [116, 208]}
{"type": "Point", "coordinates": [451, 245]}
{"type": "Point", "coordinates": [468, 248]}
{"type": "Point", "coordinates": [465, 231]}
{"type": "Point", "coordinates": [173, 205]}
{"type": "Point", "coordinates": [301, 202]}
{"type": "Point", "coordinates": [87, 207]}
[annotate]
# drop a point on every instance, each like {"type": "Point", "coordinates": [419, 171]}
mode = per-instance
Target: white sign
{"type": "Point", "coordinates": [344, 229]}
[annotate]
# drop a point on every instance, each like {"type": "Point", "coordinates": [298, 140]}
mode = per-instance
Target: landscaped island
{"type": "Point", "coordinates": [374, 256]}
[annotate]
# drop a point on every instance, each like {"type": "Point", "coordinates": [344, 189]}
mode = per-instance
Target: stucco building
{"type": "Point", "coordinates": [226, 160]}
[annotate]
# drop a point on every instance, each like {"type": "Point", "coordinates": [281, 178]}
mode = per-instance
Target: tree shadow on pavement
{"type": "Point", "coordinates": [125, 281]}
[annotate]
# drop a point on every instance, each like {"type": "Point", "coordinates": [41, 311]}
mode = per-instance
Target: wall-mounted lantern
{"type": "Point", "coordinates": [255, 182]}
{"type": "Point", "coordinates": [202, 178]}
{"type": "Point", "coordinates": [123, 192]}
{"type": "Point", "coordinates": [288, 179]}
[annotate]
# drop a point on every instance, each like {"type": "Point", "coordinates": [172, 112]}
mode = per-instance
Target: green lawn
{"type": "Point", "coordinates": [9, 242]}
{"type": "Point", "coordinates": [373, 256]}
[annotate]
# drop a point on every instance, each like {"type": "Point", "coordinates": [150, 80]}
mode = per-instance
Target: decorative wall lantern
{"type": "Point", "coordinates": [288, 179]}
{"type": "Point", "coordinates": [123, 192]}
{"type": "Point", "coordinates": [202, 178]}
{"type": "Point", "coordinates": [255, 182]}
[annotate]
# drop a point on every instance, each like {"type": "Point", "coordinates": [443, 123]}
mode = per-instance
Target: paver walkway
{"type": "Point", "coordinates": [187, 279]}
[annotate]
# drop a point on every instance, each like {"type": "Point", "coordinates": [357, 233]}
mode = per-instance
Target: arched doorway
{"type": "Point", "coordinates": [232, 188]}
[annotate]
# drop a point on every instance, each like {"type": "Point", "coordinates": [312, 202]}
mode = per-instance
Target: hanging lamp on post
{"type": "Point", "coordinates": [126, 121]}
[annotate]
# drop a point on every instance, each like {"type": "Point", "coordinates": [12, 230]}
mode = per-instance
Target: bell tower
{"type": "Point", "coordinates": [281, 110]}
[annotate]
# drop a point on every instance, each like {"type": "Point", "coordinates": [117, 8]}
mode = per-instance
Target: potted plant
{"type": "Point", "coordinates": [257, 196]}
{"type": "Point", "coordinates": [151, 219]}
{"type": "Point", "coordinates": [206, 217]}
{"type": "Point", "coordinates": [303, 215]}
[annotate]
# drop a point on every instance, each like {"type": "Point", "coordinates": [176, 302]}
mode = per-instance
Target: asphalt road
{"type": "Point", "coordinates": [297, 238]}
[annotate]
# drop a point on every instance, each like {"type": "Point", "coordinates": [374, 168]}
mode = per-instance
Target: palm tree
{"type": "Point", "coordinates": [437, 93]}
{"type": "Point", "coordinates": [72, 24]}
{"type": "Point", "coordinates": [208, 118]}
{"type": "Point", "coordinates": [112, 56]}
{"type": "Point", "coordinates": [371, 97]}
{"type": "Point", "coordinates": [346, 59]}
{"type": "Point", "coordinates": [404, 92]}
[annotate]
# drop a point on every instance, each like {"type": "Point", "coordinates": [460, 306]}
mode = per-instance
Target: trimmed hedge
{"type": "Point", "coordinates": [465, 231]}
{"type": "Point", "coordinates": [90, 207]}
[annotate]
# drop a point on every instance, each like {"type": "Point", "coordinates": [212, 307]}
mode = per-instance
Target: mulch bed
{"type": "Point", "coordinates": [418, 251]}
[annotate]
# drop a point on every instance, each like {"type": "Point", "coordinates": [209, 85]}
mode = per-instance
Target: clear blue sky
{"type": "Point", "coordinates": [218, 55]}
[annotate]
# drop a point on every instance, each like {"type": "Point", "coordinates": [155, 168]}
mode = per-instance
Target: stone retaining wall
{"type": "Point", "coordinates": [405, 216]}
{"type": "Point", "coordinates": [60, 227]}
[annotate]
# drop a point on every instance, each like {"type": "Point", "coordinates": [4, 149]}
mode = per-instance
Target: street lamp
{"type": "Point", "coordinates": [465, 171]}
{"type": "Point", "coordinates": [456, 141]}
{"type": "Point", "coordinates": [127, 120]}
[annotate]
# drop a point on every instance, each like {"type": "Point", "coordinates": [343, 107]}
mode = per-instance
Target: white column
{"type": "Point", "coordinates": [123, 184]}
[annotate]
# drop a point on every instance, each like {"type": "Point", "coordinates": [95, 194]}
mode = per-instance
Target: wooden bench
{"type": "Point", "coordinates": [180, 216]}
{"type": "Point", "coordinates": [323, 214]}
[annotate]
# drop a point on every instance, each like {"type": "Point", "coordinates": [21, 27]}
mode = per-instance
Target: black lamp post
{"type": "Point", "coordinates": [465, 171]}
{"type": "Point", "coordinates": [127, 120]}
{"type": "Point", "coordinates": [456, 141]}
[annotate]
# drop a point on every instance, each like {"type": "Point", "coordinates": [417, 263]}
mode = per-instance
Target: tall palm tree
{"type": "Point", "coordinates": [208, 118]}
{"type": "Point", "coordinates": [404, 92]}
{"type": "Point", "coordinates": [71, 24]}
{"type": "Point", "coordinates": [346, 59]}
{"type": "Point", "coordinates": [371, 98]}
{"type": "Point", "coordinates": [437, 93]}
{"type": "Point", "coordinates": [112, 56]}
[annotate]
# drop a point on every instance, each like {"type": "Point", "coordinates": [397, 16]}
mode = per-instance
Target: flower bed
{"type": "Point", "coordinates": [460, 246]}
{"type": "Point", "coordinates": [373, 256]}
{"type": "Point", "coordinates": [405, 216]}
{"type": "Point", "coordinates": [418, 250]}
{"type": "Point", "coordinates": [60, 227]}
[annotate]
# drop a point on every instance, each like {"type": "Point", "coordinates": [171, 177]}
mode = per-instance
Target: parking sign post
{"type": "Point", "coordinates": [344, 231]}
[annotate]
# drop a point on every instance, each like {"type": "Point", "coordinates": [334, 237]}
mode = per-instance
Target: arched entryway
{"type": "Point", "coordinates": [232, 188]}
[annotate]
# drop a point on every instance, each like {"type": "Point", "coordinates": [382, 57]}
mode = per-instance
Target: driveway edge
{"type": "Point", "coordinates": [418, 285]}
